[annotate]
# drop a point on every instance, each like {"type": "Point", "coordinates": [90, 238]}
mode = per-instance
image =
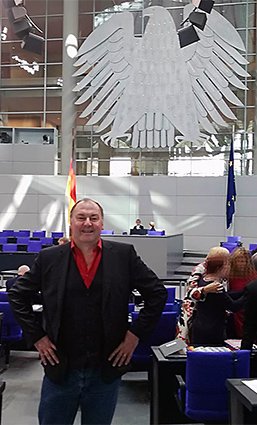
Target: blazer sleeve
{"type": "Point", "coordinates": [20, 297]}
{"type": "Point", "coordinates": [154, 295]}
{"type": "Point", "coordinates": [250, 317]}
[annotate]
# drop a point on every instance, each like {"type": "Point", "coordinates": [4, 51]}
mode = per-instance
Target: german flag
{"type": "Point", "coordinates": [71, 188]}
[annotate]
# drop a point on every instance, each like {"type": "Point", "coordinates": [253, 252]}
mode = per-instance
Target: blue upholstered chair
{"type": "Point", "coordinates": [9, 247]}
{"type": "Point", "coordinates": [7, 233]}
{"type": "Point", "coordinates": [39, 234]}
{"type": "Point", "coordinates": [229, 245]}
{"type": "Point", "coordinates": [171, 294]}
{"type": "Point", "coordinates": [234, 239]}
{"type": "Point", "coordinates": [206, 395]}
{"type": "Point", "coordinates": [47, 241]}
{"type": "Point", "coordinates": [164, 331]}
{"type": "Point", "coordinates": [22, 239]}
{"type": "Point", "coordinates": [156, 232]}
{"type": "Point", "coordinates": [57, 235]}
{"type": "Point", "coordinates": [3, 239]}
{"type": "Point", "coordinates": [3, 296]}
{"type": "Point", "coordinates": [107, 232]}
{"type": "Point", "coordinates": [21, 233]}
{"type": "Point", "coordinates": [34, 246]}
{"type": "Point", "coordinates": [252, 246]}
{"type": "Point", "coordinates": [11, 330]}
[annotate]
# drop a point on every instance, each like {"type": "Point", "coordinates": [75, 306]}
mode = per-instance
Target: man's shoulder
{"type": "Point", "coordinates": [54, 250]}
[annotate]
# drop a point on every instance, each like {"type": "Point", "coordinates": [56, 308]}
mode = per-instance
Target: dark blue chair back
{"type": "Point", "coordinates": [156, 232]}
{"type": "Point", "coordinates": [229, 245]}
{"type": "Point", "coordinates": [3, 296]}
{"type": "Point", "coordinates": [57, 234]}
{"type": "Point", "coordinates": [39, 234]}
{"type": "Point", "coordinates": [7, 233]}
{"type": "Point", "coordinates": [11, 330]}
{"type": "Point", "coordinates": [22, 233]}
{"type": "Point", "coordinates": [3, 239]}
{"type": "Point", "coordinates": [34, 246]}
{"type": "Point", "coordinates": [252, 246]}
{"type": "Point", "coordinates": [46, 241]}
{"type": "Point", "coordinates": [107, 232]}
{"type": "Point", "coordinates": [22, 240]}
{"type": "Point", "coordinates": [171, 294]}
{"type": "Point", "coordinates": [233, 239]}
{"type": "Point", "coordinates": [206, 374]}
{"type": "Point", "coordinates": [9, 247]}
{"type": "Point", "coordinates": [164, 331]}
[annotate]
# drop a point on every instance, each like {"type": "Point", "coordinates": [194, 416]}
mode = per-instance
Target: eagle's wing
{"type": "Point", "coordinates": [104, 62]}
{"type": "Point", "coordinates": [214, 64]}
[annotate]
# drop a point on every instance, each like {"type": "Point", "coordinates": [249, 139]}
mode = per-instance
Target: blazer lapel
{"type": "Point", "coordinates": [107, 261]}
{"type": "Point", "coordinates": [61, 270]}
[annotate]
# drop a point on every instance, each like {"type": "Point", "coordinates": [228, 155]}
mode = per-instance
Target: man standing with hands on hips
{"type": "Point", "coordinates": [86, 343]}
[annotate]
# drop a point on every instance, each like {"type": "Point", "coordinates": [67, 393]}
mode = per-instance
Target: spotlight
{"type": "Point", "coordinates": [198, 19]}
{"type": "Point", "coordinates": [11, 3]}
{"type": "Point", "coordinates": [33, 43]}
{"type": "Point", "coordinates": [187, 35]}
{"type": "Point", "coordinates": [205, 5]}
{"type": "Point", "coordinates": [21, 28]}
{"type": "Point", "coordinates": [17, 13]}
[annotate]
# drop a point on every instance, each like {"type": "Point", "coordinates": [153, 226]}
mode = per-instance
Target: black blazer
{"type": "Point", "coordinates": [123, 271]}
{"type": "Point", "coordinates": [250, 316]}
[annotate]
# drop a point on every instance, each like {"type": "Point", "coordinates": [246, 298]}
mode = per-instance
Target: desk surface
{"type": "Point", "coordinates": [247, 396]}
{"type": "Point", "coordinates": [176, 357]}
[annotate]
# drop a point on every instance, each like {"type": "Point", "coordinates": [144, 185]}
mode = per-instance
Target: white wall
{"type": "Point", "coordinates": [194, 206]}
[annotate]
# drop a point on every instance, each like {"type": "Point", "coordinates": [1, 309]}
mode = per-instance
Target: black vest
{"type": "Point", "coordinates": [81, 334]}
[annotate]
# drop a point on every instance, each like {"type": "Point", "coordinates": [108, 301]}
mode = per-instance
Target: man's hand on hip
{"type": "Point", "coordinates": [123, 353]}
{"type": "Point", "coordinates": [46, 351]}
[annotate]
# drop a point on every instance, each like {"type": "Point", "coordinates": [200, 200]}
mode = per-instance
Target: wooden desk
{"type": "Point", "coordinates": [241, 396]}
{"type": "Point", "coordinates": [163, 408]}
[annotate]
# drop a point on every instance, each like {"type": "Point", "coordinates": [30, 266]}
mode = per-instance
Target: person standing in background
{"type": "Point", "coordinates": [242, 271]}
{"type": "Point", "coordinates": [87, 343]}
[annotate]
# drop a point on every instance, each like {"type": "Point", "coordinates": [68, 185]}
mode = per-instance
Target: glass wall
{"type": "Point", "coordinates": [31, 91]}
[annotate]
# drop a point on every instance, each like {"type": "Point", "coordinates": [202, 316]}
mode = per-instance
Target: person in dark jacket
{"type": "Point", "coordinates": [20, 272]}
{"type": "Point", "coordinates": [250, 316]}
{"type": "Point", "coordinates": [86, 342]}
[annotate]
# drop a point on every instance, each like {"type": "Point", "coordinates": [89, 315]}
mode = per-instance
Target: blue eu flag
{"type": "Point", "coordinates": [231, 188]}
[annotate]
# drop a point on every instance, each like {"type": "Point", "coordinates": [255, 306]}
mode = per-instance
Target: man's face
{"type": "Point", "coordinates": [86, 223]}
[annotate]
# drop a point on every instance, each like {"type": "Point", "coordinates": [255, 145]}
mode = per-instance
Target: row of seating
{"type": "Point", "coordinates": [29, 233]}
{"type": "Point", "coordinates": [31, 246]}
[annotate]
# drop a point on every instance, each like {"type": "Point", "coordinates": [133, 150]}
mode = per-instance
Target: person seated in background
{"type": "Point", "coordinates": [193, 293]}
{"type": "Point", "coordinates": [63, 240]}
{"type": "Point", "coordinates": [138, 224]}
{"type": "Point", "coordinates": [36, 299]}
{"type": "Point", "coordinates": [20, 272]}
{"type": "Point", "coordinates": [152, 225]}
{"type": "Point", "coordinates": [242, 271]}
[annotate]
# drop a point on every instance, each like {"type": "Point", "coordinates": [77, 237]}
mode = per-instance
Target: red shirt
{"type": "Point", "coordinates": [86, 273]}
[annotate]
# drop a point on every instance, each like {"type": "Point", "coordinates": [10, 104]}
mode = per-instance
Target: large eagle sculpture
{"type": "Point", "coordinates": [152, 90]}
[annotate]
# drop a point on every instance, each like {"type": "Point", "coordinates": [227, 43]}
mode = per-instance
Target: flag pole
{"type": "Point", "coordinates": [231, 189]}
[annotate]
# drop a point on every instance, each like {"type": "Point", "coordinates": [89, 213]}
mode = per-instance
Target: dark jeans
{"type": "Point", "coordinates": [83, 388]}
